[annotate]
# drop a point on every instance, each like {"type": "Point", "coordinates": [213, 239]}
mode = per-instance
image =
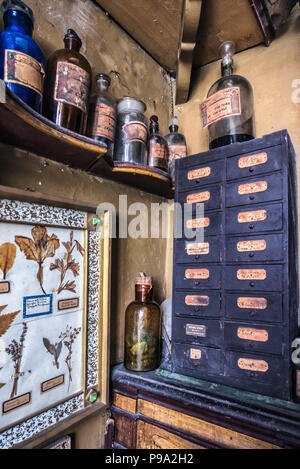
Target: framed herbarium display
{"type": "Point", "coordinates": [54, 281]}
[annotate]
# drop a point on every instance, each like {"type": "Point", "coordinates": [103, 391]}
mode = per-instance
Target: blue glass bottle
{"type": "Point", "coordinates": [21, 59]}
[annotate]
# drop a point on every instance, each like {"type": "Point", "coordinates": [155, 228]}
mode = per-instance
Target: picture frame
{"type": "Point", "coordinates": [54, 304]}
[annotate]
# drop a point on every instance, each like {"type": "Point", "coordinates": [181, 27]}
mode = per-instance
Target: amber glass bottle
{"type": "Point", "coordinates": [142, 329]}
{"type": "Point", "coordinates": [158, 147]}
{"type": "Point", "coordinates": [67, 86]}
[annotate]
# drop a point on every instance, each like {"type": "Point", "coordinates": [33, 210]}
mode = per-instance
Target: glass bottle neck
{"type": "Point", "coordinates": [154, 128]}
{"type": "Point", "coordinates": [72, 43]}
{"type": "Point", "coordinates": [17, 21]}
{"type": "Point", "coordinates": [173, 128]}
{"type": "Point", "coordinates": [102, 86]}
{"type": "Point", "coordinates": [227, 68]}
{"type": "Point", "coordinates": [143, 293]}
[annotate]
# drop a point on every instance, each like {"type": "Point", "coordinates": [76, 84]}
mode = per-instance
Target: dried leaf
{"type": "Point", "coordinates": [58, 349]}
{"type": "Point", "coordinates": [74, 267]}
{"type": "Point", "coordinates": [2, 308]}
{"type": "Point", "coordinates": [79, 247]}
{"type": "Point", "coordinates": [1, 385]}
{"type": "Point", "coordinates": [7, 257]}
{"type": "Point", "coordinates": [51, 349]}
{"type": "Point", "coordinates": [6, 320]}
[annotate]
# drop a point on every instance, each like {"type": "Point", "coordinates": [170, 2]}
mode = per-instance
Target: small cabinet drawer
{"type": "Point", "coordinates": [254, 219]}
{"type": "Point", "coordinates": [197, 331]}
{"type": "Point", "coordinates": [198, 359]}
{"type": "Point", "coordinates": [196, 226]}
{"type": "Point", "coordinates": [209, 196]}
{"type": "Point", "coordinates": [254, 277]}
{"type": "Point", "coordinates": [265, 307]}
{"type": "Point", "coordinates": [196, 277]}
{"type": "Point", "coordinates": [254, 248]}
{"type": "Point", "coordinates": [201, 174]}
{"type": "Point", "coordinates": [251, 164]}
{"type": "Point", "coordinates": [209, 250]}
{"type": "Point", "coordinates": [206, 304]}
{"type": "Point", "coordinates": [256, 190]}
{"type": "Point", "coordinates": [254, 337]}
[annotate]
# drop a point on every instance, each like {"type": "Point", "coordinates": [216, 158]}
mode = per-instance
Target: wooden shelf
{"type": "Point", "coordinates": [22, 127]}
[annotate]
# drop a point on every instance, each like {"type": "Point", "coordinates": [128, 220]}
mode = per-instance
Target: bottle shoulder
{"type": "Point", "coordinates": [157, 138]}
{"type": "Point", "coordinates": [104, 98]}
{"type": "Point", "coordinates": [175, 138]}
{"type": "Point", "coordinates": [139, 305]}
{"type": "Point", "coordinates": [71, 56]}
{"type": "Point", "coordinates": [229, 82]}
{"type": "Point", "coordinates": [21, 42]}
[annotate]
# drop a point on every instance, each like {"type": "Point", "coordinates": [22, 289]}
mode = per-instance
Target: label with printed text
{"type": "Point", "coordinates": [257, 215]}
{"type": "Point", "coordinates": [251, 274]}
{"type": "Point", "coordinates": [197, 273]}
{"type": "Point", "coordinates": [72, 85]}
{"type": "Point", "coordinates": [247, 333]}
{"type": "Point", "coordinates": [252, 303]}
{"type": "Point", "coordinates": [135, 131]}
{"type": "Point", "coordinates": [198, 197]}
{"type": "Point", "coordinates": [195, 354]}
{"type": "Point", "coordinates": [197, 248]}
{"type": "Point", "coordinates": [224, 103]}
{"type": "Point", "coordinates": [199, 173]}
{"type": "Point", "coordinates": [253, 365]}
{"type": "Point", "coordinates": [176, 151]}
{"type": "Point", "coordinates": [103, 121]}
{"type": "Point", "coordinates": [198, 223]}
{"type": "Point", "coordinates": [196, 330]}
{"type": "Point", "coordinates": [253, 245]}
{"type": "Point", "coordinates": [197, 300]}
{"type": "Point", "coordinates": [252, 160]}
{"type": "Point", "coordinates": [253, 187]}
{"type": "Point", "coordinates": [22, 69]}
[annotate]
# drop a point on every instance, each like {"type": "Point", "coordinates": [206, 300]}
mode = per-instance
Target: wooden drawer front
{"type": "Point", "coordinates": [190, 251]}
{"type": "Point", "coordinates": [254, 277]}
{"type": "Point", "coordinates": [125, 430]}
{"type": "Point", "coordinates": [254, 367]}
{"type": "Point", "coordinates": [208, 224]}
{"type": "Point", "coordinates": [256, 190]}
{"type": "Point", "coordinates": [125, 403]}
{"type": "Point", "coordinates": [209, 196]}
{"type": "Point", "coordinates": [197, 331]}
{"type": "Point", "coordinates": [208, 431]}
{"type": "Point", "coordinates": [153, 437]}
{"type": "Point", "coordinates": [201, 174]}
{"type": "Point", "coordinates": [264, 307]}
{"type": "Point", "coordinates": [197, 277]}
{"type": "Point", "coordinates": [254, 219]}
{"type": "Point", "coordinates": [251, 164]}
{"type": "Point", "coordinates": [254, 248]}
{"type": "Point", "coordinates": [254, 337]}
{"type": "Point", "coordinates": [198, 359]}
{"type": "Point", "coordinates": [206, 304]}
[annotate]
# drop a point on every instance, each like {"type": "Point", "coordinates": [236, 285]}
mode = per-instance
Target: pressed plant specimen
{"type": "Point", "coordinates": [7, 257]}
{"type": "Point", "coordinates": [68, 337]}
{"type": "Point", "coordinates": [38, 249]}
{"type": "Point", "coordinates": [53, 349]}
{"type": "Point", "coordinates": [15, 349]}
{"type": "Point", "coordinates": [5, 323]}
{"type": "Point", "coordinates": [68, 263]}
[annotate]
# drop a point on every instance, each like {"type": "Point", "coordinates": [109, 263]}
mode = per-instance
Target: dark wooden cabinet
{"type": "Point", "coordinates": [235, 299]}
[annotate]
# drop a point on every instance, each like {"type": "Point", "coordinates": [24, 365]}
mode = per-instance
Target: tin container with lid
{"type": "Point", "coordinates": [131, 133]}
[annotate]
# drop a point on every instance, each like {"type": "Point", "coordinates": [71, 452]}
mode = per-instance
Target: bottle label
{"type": "Point", "coordinates": [176, 151]}
{"type": "Point", "coordinates": [72, 85]}
{"type": "Point", "coordinates": [22, 69]}
{"type": "Point", "coordinates": [157, 155]}
{"type": "Point", "coordinates": [103, 122]}
{"type": "Point", "coordinates": [224, 103]}
{"type": "Point", "coordinates": [135, 131]}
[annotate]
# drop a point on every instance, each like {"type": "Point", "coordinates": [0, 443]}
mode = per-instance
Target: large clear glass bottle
{"type": "Point", "coordinates": [102, 115]}
{"type": "Point", "coordinates": [177, 146]}
{"type": "Point", "coordinates": [142, 329]}
{"type": "Point", "coordinates": [228, 110]}
{"type": "Point", "coordinates": [21, 59]}
{"type": "Point", "coordinates": [158, 147]}
{"type": "Point", "coordinates": [67, 86]}
{"type": "Point", "coordinates": [131, 132]}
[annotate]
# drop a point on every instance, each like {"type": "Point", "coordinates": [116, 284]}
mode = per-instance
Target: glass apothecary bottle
{"type": "Point", "coordinates": [102, 115]}
{"type": "Point", "coordinates": [158, 147]}
{"type": "Point", "coordinates": [131, 132]}
{"type": "Point", "coordinates": [67, 86]}
{"type": "Point", "coordinates": [21, 59]}
{"type": "Point", "coordinates": [142, 329]}
{"type": "Point", "coordinates": [176, 145]}
{"type": "Point", "coordinates": [228, 110]}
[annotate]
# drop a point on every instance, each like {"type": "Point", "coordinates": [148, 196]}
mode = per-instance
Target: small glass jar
{"type": "Point", "coordinates": [158, 147]}
{"type": "Point", "coordinates": [177, 146]}
{"type": "Point", "coordinates": [102, 115]}
{"type": "Point", "coordinates": [131, 132]}
{"type": "Point", "coordinates": [142, 329]}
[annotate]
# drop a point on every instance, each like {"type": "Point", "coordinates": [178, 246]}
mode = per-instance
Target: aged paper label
{"type": "Point", "coordinates": [224, 103]}
{"type": "Point", "coordinates": [197, 273]}
{"type": "Point", "coordinates": [158, 155]}
{"type": "Point", "coordinates": [195, 354]}
{"type": "Point", "coordinates": [134, 131]}
{"type": "Point", "coordinates": [199, 173]}
{"type": "Point", "coordinates": [176, 151]}
{"type": "Point", "coordinates": [16, 403]}
{"type": "Point", "coordinates": [197, 300]}
{"type": "Point", "coordinates": [22, 69]}
{"type": "Point", "coordinates": [253, 245]}
{"type": "Point", "coordinates": [256, 215]}
{"type": "Point", "coordinates": [72, 85]}
{"type": "Point", "coordinates": [253, 365]}
{"type": "Point", "coordinates": [195, 329]}
{"type": "Point", "coordinates": [69, 303]}
{"type": "Point", "coordinates": [198, 223]}
{"type": "Point", "coordinates": [198, 197]}
{"type": "Point", "coordinates": [103, 121]}
{"type": "Point", "coordinates": [197, 248]}
{"type": "Point", "coordinates": [4, 286]}
{"type": "Point", "coordinates": [252, 303]}
{"type": "Point", "coordinates": [253, 187]}
{"type": "Point", "coordinates": [52, 383]}
{"type": "Point", "coordinates": [251, 274]}
{"type": "Point", "coordinates": [247, 333]}
{"type": "Point", "coordinates": [253, 160]}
